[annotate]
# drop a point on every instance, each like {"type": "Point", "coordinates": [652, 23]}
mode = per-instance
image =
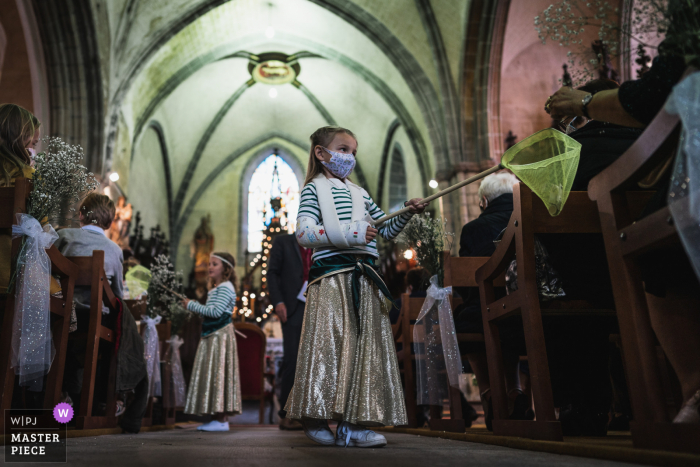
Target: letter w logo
{"type": "Point", "coordinates": [63, 413]}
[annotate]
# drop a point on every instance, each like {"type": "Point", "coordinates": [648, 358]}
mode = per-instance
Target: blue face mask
{"type": "Point", "coordinates": [341, 164]}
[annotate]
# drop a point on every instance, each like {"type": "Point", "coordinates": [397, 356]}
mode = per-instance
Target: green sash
{"type": "Point", "coordinates": [358, 265]}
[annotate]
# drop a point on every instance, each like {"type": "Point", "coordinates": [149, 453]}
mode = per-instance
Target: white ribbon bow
{"type": "Point", "coordinates": [445, 348]}
{"type": "Point", "coordinates": [151, 350]}
{"type": "Point", "coordinates": [32, 346]}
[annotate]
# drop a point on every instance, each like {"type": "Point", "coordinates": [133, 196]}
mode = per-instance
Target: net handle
{"type": "Point", "coordinates": [442, 193]}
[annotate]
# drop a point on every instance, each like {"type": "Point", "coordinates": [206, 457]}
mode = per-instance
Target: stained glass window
{"type": "Point", "coordinates": [397, 181]}
{"type": "Point", "coordinates": [264, 186]}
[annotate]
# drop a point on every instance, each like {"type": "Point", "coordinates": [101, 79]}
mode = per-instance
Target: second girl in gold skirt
{"type": "Point", "coordinates": [215, 385]}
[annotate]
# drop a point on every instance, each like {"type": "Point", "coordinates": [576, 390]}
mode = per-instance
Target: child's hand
{"type": "Point", "coordinates": [371, 234]}
{"type": "Point", "coordinates": [415, 207]}
{"type": "Point", "coordinates": [185, 302]}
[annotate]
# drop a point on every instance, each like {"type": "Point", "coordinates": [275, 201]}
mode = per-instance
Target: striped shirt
{"type": "Point", "coordinates": [221, 300]}
{"type": "Point", "coordinates": [310, 209]}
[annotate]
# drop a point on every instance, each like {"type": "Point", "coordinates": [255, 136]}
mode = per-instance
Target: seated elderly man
{"type": "Point", "coordinates": [477, 239]}
{"type": "Point", "coordinates": [96, 215]}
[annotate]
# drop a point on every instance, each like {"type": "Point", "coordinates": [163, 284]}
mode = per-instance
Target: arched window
{"type": "Point", "coordinates": [272, 179]}
{"type": "Point", "coordinates": [397, 181]}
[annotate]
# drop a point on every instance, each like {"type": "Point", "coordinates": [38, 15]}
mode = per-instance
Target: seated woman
{"type": "Point", "coordinates": [19, 133]}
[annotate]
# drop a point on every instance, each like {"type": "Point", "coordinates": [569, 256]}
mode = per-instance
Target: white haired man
{"type": "Point", "coordinates": [477, 239]}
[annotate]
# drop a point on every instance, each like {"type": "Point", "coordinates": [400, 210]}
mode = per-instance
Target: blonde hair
{"type": "Point", "coordinates": [17, 125]}
{"type": "Point", "coordinates": [322, 137]}
{"type": "Point", "coordinates": [496, 185]}
{"type": "Point", "coordinates": [229, 271]}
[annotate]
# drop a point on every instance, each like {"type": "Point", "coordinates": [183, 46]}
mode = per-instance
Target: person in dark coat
{"type": "Point", "coordinates": [287, 277]}
{"type": "Point", "coordinates": [477, 239]}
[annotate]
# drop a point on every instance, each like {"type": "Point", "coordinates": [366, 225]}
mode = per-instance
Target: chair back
{"type": "Point", "coordinates": [251, 360]}
{"type": "Point", "coordinates": [91, 273]}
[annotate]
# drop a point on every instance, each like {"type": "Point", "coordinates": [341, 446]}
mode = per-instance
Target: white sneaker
{"type": "Point", "coordinates": [318, 430]}
{"type": "Point", "coordinates": [214, 426]}
{"type": "Point", "coordinates": [352, 435]}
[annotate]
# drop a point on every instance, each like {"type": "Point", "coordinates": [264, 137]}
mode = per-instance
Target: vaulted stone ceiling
{"type": "Point", "coordinates": [185, 119]}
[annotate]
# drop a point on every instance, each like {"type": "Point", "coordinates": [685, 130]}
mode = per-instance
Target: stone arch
{"type": "Point", "coordinates": [160, 133]}
{"type": "Point", "coordinates": [391, 46]}
{"type": "Point", "coordinates": [73, 74]}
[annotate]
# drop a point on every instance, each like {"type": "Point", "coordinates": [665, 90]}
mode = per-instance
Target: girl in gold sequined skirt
{"type": "Point", "coordinates": [347, 368]}
{"type": "Point", "coordinates": [215, 386]}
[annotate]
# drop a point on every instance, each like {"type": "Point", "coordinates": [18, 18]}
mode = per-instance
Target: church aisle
{"type": "Point", "coordinates": [268, 446]}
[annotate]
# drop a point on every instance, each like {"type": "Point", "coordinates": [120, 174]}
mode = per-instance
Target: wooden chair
{"type": "Point", "coordinates": [461, 272]}
{"type": "Point", "coordinates": [403, 333]}
{"type": "Point", "coordinates": [529, 217]}
{"type": "Point", "coordinates": [91, 273]}
{"type": "Point", "coordinates": [251, 362]}
{"type": "Point", "coordinates": [625, 239]}
{"type": "Point", "coordinates": [410, 309]}
{"type": "Point", "coordinates": [12, 201]}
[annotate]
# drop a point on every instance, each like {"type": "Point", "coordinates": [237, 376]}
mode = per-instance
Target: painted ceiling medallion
{"type": "Point", "coordinates": [274, 68]}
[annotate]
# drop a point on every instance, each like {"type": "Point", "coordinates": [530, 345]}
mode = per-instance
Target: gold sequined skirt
{"type": "Point", "coordinates": [215, 384]}
{"type": "Point", "coordinates": [341, 375]}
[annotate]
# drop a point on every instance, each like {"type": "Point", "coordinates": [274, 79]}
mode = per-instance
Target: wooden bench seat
{"type": "Point", "coordinates": [529, 217]}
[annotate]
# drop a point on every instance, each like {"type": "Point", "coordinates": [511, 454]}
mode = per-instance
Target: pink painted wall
{"type": "Point", "coordinates": [530, 71]}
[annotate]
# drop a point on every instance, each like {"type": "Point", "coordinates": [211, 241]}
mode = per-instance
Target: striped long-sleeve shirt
{"type": "Point", "coordinates": [309, 208]}
{"type": "Point", "coordinates": [220, 301]}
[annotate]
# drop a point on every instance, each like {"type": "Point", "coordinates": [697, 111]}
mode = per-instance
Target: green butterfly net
{"type": "Point", "coordinates": [546, 162]}
{"type": "Point", "coordinates": [137, 279]}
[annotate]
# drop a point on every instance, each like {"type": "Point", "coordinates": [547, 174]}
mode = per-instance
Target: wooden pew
{"type": "Point", "coordinates": [91, 273]}
{"type": "Point", "coordinates": [625, 239]}
{"type": "Point", "coordinates": [410, 309]}
{"type": "Point", "coordinates": [13, 200]}
{"type": "Point", "coordinates": [461, 272]}
{"type": "Point", "coordinates": [403, 333]}
{"type": "Point", "coordinates": [530, 217]}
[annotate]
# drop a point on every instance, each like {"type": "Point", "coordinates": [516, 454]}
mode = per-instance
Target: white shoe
{"type": "Point", "coordinates": [214, 426]}
{"type": "Point", "coordinates": [318, 430]}
{"type": "Point", "coordinates": [350, 435]}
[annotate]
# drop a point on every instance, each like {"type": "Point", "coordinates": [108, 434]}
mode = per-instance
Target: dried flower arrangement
{"type": "Point", "coordinates": [426, 235]}
{"type": "Point", "coordinates": [566, 21]}
{"type": "Point", "coordinates": [161, 301]}
{"type": "Point", "coordinates": [60, 180]}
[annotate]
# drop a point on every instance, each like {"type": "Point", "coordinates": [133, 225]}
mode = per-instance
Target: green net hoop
{"type": "Point", "coordinates": [137, 279]}
{"type": "Point", "coordinates": [546, 162]}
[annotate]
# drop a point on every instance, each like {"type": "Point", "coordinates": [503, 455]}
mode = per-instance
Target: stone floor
{"type": "Point", "coordinates": [268, 446]}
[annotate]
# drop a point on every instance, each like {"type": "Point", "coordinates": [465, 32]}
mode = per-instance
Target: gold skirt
{"type": "Point", "coordinates": [341, 375]}
{"type": "Point", "coordinates": [215, 385]}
